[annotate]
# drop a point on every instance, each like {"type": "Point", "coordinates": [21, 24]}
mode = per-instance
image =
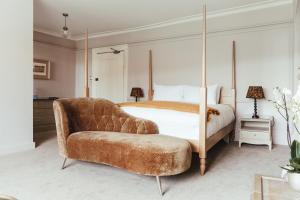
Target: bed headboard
{"type": "Point", "coordinates": [228, 96]}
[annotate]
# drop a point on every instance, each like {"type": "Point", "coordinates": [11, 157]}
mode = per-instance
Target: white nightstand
{"type": "Point", "coordinates": [256, 131]}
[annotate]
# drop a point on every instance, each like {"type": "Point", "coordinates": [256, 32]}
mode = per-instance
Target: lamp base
{"type": "Point", "coordinates": [255, 116]}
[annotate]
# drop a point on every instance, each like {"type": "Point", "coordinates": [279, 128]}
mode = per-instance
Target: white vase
{"type": "Point", "coordinates": [294, 181]}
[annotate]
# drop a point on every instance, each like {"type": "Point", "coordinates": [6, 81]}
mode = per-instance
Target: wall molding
{"type": "Point", "coordinates": [192, 18]}
{"type": "Point", "coordinates": [53, 44]}
{"type": "Point", "coordinates": [246, 29]}
{"type": "Point", "coordinates": [264, 27]}
{"type": "Point", "coordinates": [48, 32]}
{"type": "Point", "coordinates": [187, 19]}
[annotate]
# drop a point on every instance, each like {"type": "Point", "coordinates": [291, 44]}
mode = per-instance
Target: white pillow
{"type": "Point", "coordinates": [191, 94]}
{"type": "Point", "coordinates": [168, 93]}
{"type": "Point", "coordinates": [213, 94]}
{"type": "Point", "coordinates": [218, 94]}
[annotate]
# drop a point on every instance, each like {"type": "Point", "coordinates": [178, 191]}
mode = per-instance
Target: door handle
{"type": "Point", "coordinates": [96, 79]}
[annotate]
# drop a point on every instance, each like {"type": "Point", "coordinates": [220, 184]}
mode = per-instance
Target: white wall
{"type": "Point", "coordinates": [16, 19]}
{"type": "Point", "coordinates": [297, 44]}
{"type": "Point", "coordinates": [265, 54]}
{"type": "Point", "coordinates": [264, 57]}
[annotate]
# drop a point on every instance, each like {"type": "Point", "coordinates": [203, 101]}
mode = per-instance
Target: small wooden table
{"type": "Point", "coordinates": [256, 131]}
{"type": "Point", "coordinates": [43, 116]}
{"type": "Point", "coordinates": [272, 188]}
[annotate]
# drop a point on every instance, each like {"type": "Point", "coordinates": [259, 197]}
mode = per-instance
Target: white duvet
{"type": "Point", "coordinates": [183, 124]}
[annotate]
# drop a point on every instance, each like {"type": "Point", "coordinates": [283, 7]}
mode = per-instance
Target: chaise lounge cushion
{"type": "Point", "coordinates": [88, 114]}
{"type": "Point", "coordinates": [97, 130]}
{"type": "Point", "coordinates": [155, 155]}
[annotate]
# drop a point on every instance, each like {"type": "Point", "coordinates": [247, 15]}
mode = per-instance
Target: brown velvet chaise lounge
{"type": "Point", "coordinates": [97, 130]}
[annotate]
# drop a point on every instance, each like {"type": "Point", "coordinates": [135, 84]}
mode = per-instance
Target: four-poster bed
{"type": "Point", "coordinates": [202, 139]}
{"type": "Point", "coordinates": [205, 141]}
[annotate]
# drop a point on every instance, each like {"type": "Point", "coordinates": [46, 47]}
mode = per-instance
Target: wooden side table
{"type": "Point", "coordinates": [272, 188]}
{"type": "Point", "coordinates": [256, 131]}
{"type": "Point", "coordinates": [43, 115]}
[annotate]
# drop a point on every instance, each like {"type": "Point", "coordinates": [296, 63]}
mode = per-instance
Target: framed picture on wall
{"type": "Point", "coordinates": [41, 69]}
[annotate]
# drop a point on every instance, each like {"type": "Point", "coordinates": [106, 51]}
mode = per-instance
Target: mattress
{"type": "Point", "coordinates": [183, 124]}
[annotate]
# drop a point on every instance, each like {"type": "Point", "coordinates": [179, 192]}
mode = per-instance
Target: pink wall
{"type": "Point", "coordinates": [62, 83]}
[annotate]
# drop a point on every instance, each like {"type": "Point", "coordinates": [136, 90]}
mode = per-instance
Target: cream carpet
{"type": "Point", "coordinates": [36, 175]}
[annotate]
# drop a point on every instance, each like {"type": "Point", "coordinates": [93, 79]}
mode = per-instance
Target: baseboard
{"type": "Point", "coordinates": [16, 148]}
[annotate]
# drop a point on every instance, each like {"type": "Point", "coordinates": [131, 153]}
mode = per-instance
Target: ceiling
{"type": "Point", "coordinates": [101, 16]}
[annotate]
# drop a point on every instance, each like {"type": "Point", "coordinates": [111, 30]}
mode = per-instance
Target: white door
{"type": "Point", "coordinates": [108, 76]}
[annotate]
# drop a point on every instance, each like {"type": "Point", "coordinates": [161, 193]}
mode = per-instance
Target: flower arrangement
{"type": "Point", "coordinates": [288, 107]}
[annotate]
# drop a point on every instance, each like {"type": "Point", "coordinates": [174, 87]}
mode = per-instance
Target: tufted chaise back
{"type": "Point", "coordinates": [88, 114]}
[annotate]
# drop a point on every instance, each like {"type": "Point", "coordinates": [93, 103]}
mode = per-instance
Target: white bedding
{"type": "Point", "coordinates": [183, 124]}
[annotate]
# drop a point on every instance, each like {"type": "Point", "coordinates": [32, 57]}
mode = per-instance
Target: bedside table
{"type": "Point", "coordinates": [256, 131]}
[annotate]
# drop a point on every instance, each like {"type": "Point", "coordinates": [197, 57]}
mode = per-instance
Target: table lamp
{"type": "Point", "coordinates": [255, 92]}
{"type": "Point", "coordinates": [137, 93]}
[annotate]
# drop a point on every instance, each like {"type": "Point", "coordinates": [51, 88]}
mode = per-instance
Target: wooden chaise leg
{"type": "Point", "coordinates": [202, 166]}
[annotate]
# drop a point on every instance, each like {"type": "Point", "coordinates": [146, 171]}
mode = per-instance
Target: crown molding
{"type": "Point", "coordinates": [187, 19]}
{"type": "Point", "coordinates": [48, 32]}
{"type": "Point", "coordinates": [221, 32]}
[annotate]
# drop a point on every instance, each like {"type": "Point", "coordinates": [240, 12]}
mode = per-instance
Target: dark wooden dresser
{"type": "Point", "coordinates": [43, 115]}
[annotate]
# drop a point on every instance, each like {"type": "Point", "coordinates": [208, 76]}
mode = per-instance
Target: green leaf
{"type": "Point", "coordinates": [295, 163]}
{"type": "Point", "coordinates": [295, 149]}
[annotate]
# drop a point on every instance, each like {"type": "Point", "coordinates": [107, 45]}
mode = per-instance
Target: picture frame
{"type": "Point", "coordinates": [41, 69]}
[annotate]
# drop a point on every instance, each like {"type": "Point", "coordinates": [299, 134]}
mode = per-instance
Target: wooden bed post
{"type": "Point", "coordinates": [233, 87]}
{"type": "Point", "coordinates": [203, 103]}
{"type": "Point", "coordinates": [86, 92]}
{"type": "Point", "coordinates": [233, 84]}
{"type": "Point", "coordinates": [150, 87]}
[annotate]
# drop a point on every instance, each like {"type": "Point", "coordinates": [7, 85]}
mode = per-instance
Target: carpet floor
{"type": "Point", "coordinates": [36, 175]}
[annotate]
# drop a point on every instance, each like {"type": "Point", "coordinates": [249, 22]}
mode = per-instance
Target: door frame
{"type": "Point", "coordinates": [123, 47]}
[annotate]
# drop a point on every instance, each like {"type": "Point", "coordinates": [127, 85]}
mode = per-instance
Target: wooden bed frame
{"type": "Point", "coordinates": [228, 96]}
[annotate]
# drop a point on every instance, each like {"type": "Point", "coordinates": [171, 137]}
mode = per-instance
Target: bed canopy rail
{"type": "Point", "coordinates": [227, 96]}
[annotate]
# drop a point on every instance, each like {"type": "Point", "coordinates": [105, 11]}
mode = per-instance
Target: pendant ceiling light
{"type": "Point", "coordinates": [65, 29]}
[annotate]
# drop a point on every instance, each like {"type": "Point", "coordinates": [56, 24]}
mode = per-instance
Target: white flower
{"type": "Point", "coordinates": [277, 96]}
{"type": "Point", "coordinates": [296, 98]}
{"type": "Point", "coordinates": [298, 115]}
{"type": "Point", "coordinates": [286, 92]}
{"type": "Point", "coordinates": [276, 91]}
{"type": "Point", "coordinates": [295, 104]}
{"type": "Point", "coordinates": [298, 90]}
{"type": "Point", "coordinates": [288, 105]}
